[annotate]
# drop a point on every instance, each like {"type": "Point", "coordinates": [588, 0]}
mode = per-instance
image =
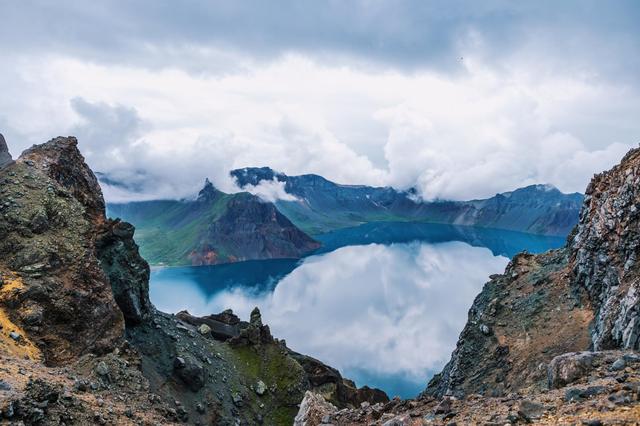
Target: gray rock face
{"type": "Point", "coordinates": [5, 156]}
{"type": "Point", "coordinates": [605, 247]}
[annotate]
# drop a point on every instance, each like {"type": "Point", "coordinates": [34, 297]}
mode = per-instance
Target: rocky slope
{"type": "Point", "coordinates": [323, 205]}
{"type": "Point", "coordinates": [215, 228]}
{"type": "Point", "coordinates": [602, 393]}
{"type": "Point", "coordinates": [80, 342]}
{"type": "Point", "coordinates": [543, 340]}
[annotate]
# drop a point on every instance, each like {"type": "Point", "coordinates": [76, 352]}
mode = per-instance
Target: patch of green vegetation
{"type": "Point", "coordinates": [283, 376]}
{"type": "Point", "coordinates": [283, 416]}
{"type": "Point", "coordinates": [271, 365]}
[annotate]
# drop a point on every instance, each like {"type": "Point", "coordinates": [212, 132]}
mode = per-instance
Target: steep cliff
{"type": "Point", "coordinates": [214, 228]}
{"type": "Point", "coordinates": [80, 341]}
{"type": "Point", "coordinates": [604, 252]}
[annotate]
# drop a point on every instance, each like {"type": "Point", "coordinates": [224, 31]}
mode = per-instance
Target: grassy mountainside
{"type": "Point", "coordinates": [215, 228]}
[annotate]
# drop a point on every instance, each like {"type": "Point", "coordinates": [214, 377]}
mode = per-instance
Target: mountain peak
{"type": "Point", "coordinates": [61, 160]}
{"type": "Point", "coordinates": [208, 191]}
{"type": "Point", "coordinates": [255, 175]}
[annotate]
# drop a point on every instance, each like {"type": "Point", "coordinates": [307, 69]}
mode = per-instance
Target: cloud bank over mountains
{"type": "Point", "coordinates": [459, 99]}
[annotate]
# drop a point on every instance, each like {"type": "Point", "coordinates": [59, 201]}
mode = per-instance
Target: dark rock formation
{"type": "Point", "coordinates": [333, 387]}
{"type": "Point", "coordinates": [51, 211]}
{"type": "Point", "coordinates": [127, 272]}
{"type": "Point", "coordinates": [222, 326]}
{"type": "Point", "coordinates": [208, 193]}
{"type": "Point", "coordinates": [253, 229]}
{"type": "Point", "coordinates": [5, 156]}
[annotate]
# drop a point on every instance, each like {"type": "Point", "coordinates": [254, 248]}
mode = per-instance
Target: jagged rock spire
{"type": "Point", "coordinates": [208, 192]}
{"type": "Point", "coordinates": [5, 156]}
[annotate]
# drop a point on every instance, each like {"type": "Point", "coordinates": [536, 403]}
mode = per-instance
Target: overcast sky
{"type": "Point", "coordinates": [461, 99]}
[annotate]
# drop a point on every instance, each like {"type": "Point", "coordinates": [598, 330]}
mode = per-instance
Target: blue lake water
{"type": "Point", "coordinates": [383, 302]}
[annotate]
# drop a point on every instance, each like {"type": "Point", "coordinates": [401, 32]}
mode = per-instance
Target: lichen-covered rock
{"type": "Point", "coordinates": [61, 160]}
{"type": "Point", "coordinates": [568, 368]}
{"type": "Point", "coordinates": [605, 250]}
{"type": "Point", "coordinates": [60, 294]}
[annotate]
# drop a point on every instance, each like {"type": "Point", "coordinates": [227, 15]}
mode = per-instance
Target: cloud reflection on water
{"type": "Point", "coordinates": [385, 315]}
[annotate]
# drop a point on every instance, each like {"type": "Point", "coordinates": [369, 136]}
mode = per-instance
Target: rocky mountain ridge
{"type": "Point", "coordinates": [322, 205]}
{"type": "Point", "coordinates": [80, 342]}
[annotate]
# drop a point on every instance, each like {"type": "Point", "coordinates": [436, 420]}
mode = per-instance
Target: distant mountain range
{"type": "Point", "coordinates": [221, 228]}
{"type": "Point", "coordinates": [323, 206]}
{"type": "Point", "coordinates": [214, 228]}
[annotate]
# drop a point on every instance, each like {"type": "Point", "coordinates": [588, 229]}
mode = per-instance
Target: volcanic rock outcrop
{"type": "Point", "coordinates": [53, 285]}
{"type": "Point", "coordinates": [80, 341]}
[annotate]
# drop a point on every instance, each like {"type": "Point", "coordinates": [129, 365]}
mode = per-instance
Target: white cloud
{"type": "Point", "coordinates": [270, 190]}
{"type": "Point", "coordinates": [468, 135]}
